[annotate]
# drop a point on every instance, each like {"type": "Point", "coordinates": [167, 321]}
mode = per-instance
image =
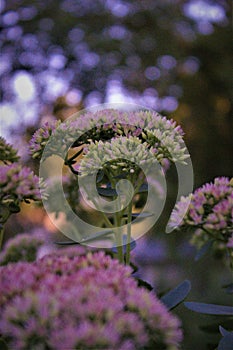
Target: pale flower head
{"type": "Point", "coordinates": [159, 133]}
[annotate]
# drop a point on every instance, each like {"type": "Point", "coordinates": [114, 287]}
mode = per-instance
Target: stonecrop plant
{"type": "Point", "coordinates": [114, 145]}
{"type": "Point", "coordinates": [210, 216]}
{"type": "Point", "coordinates": [17, 184]}
{"type": "Point", "coordinates": [84, 302]}
{"type": "Point", "coordinates": [23, 247]}
{"type": "Point", "coordinates": [81, 297]}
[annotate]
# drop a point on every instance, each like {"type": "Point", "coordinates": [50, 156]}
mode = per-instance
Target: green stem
{"type": "Point", "coordinates": [212, 234]}
{"type": "Point", "coordinates": [129, 220]}
{"type": "Point", "coordinates": [105, 218]}
{"type": "Point", "coordinates": [1, 236]}
{"type": "Point", "coordinates": [117, 223]}
{"type": "Point", "coordinates": [220, 240]}
{"type": "Point", "coordinates": [140, 183]}
{"type": "Point", "coordinates": [118, 238]}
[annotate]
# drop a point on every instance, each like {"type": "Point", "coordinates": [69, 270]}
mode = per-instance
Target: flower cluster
{"type": "Point", "coordinates": [23, 247]}
{"type": "Point", "coordinates": [18, 183]}
{"type": "Point", "coordinates": [7, 152]}
{"type": "Point", "coordinates": [41, 137]}
{"type": "Point", "coordinates": [159, 132]}
{"type": "Point", "coordinates": [81, 302]}
{"type": "Point", "coordinates": [210, 212]}
{"type": "Point", "coordinates": [163, 135]}
{"type": "Point", "coordinates": [128, 153]}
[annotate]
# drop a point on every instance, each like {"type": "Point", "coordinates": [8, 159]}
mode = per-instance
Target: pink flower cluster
{"type": "Point", "coordinates": [18, 183]}
{"type": "Point", "coordinates": [81, 302]}
{"type": "Point", "coordinates": [211, 207]}
{"type": "Point", "coordinates": [41, 137]}
{"type": "Point", "coordinates": [210, 211]}
{"type": "Point", "coordinates": [23, 247]}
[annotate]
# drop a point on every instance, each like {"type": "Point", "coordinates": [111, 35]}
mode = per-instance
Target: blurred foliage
{"type": "Point", "coordinates": [173, 56]}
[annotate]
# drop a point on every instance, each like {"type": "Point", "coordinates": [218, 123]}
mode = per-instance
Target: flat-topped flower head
{"type": "Point", "coordinates": [210, 211]}
{"type": "Point", "coordinates": [85, 301]}
{"type": "Point", "coordinates": [160, 133]}
{"type": "Point", "coordinates": [7, 153]}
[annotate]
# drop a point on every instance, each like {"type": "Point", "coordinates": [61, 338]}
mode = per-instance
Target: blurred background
{"type": "Point", "coordinates": [174, 56]}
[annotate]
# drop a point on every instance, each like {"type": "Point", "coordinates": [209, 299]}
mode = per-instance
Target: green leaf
{"type": "Point", "coordinates": [176, 295]}
{"type": "Point", "coordinates": [210, 309]}
{"type": "Point", "coordinates": [67, 243]}
{"type": "Point", "coordinates": [107, 191]}
{"type": "Point", "coordinates": [134, 267]}
{"type": "Point", "coordinates": [226, 343]}
{"type": "Point", "coordinates": [136, 215]}
{"type": "Point", "coordinates": [203, 250]}
{"type": "Point", "coordinates": [223, 331]}
{"type": "Point", "coordinates": [144, 284]}
{"type": "Point", "coordinates": [96, 236]}
{"type": "Point", "coordinates": [142, 215]}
